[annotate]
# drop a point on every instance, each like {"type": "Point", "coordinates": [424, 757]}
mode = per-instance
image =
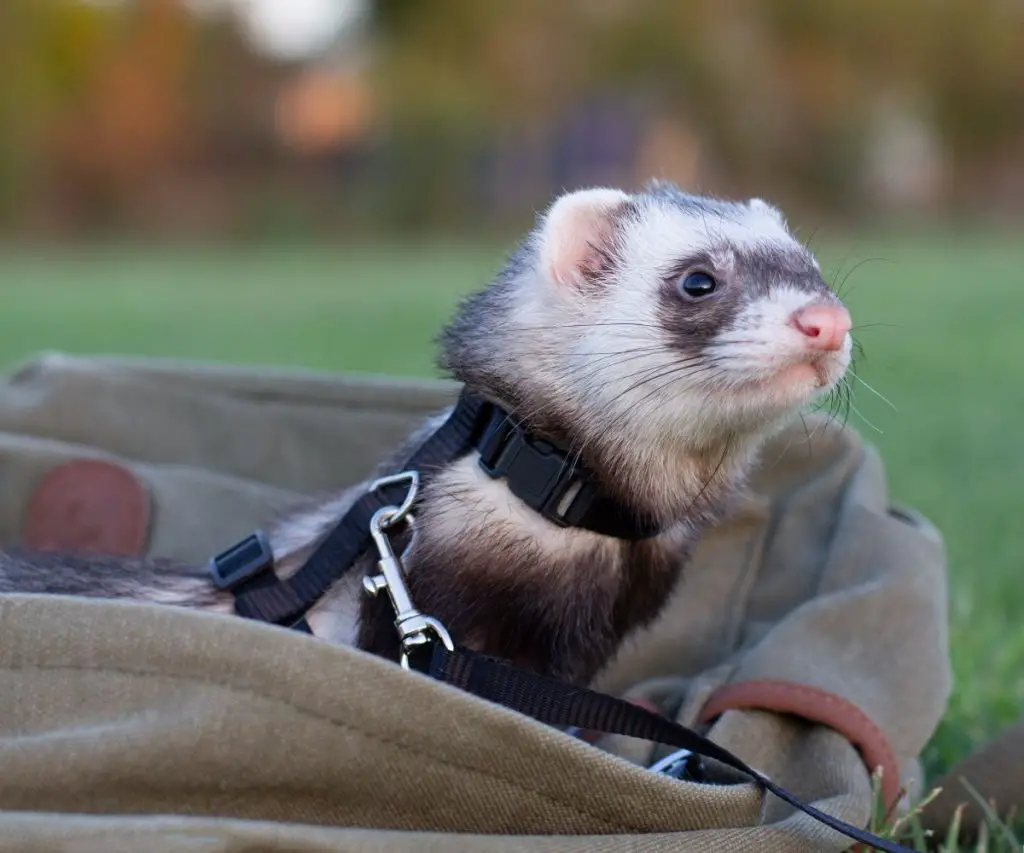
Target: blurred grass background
{"type": "Point", "coordinates": [248, 182]}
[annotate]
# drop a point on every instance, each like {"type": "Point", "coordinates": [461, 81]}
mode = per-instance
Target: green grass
{"type": "Point", "coordinates": [372, 310]}
{"type": "Point", "coordinates": [938, 316]}
{"type": "Point", "coordinates": [994, 834]}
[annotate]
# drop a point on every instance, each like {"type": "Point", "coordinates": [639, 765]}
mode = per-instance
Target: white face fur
{"type": "Point", "coordinates": [647, 360]}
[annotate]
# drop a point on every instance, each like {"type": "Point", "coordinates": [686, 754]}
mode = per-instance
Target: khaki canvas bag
{"type": "Point", "coordinates": [808, 637]}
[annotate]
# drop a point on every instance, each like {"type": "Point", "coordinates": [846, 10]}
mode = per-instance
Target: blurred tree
{"type": "Point", "coordinates": [779, 92]}
{"type": "Point", "coordinates": [803, 99]}
{"type": "Point", "coordinates": [130, 121]}
{"type": "Point", "coordinates": [49, 50]}
{"type": "Point", "coordinates": [113, 106]}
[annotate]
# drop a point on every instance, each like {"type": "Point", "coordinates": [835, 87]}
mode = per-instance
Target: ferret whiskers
{"type": "Point", "coordinates": [878, 394]}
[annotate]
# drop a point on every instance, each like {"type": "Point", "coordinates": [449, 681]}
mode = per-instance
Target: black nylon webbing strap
{"type": "Point", "coordinates": [554, 703]}
{"type": "Point", "coordinates": [266, 581]}
{"type": "Point", "coordinates": [549, 480]}
{"type": "Point", "coordinates": [545, 477]}
{"type": "Point", "coordinates": [285, 601]}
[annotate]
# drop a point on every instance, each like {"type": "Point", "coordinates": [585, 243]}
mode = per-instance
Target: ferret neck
{"type": "Point", "coordinates": [551, 480]}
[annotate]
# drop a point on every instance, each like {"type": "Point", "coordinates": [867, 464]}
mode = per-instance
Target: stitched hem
{"type": "Point", "coordinates": [819, 706]}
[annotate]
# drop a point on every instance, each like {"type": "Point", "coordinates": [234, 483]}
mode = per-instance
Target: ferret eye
{"type": "Point", "coordinates": [697, 285]}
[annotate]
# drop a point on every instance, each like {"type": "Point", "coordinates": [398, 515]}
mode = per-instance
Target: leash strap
{"type": "Point", "coordinates": [550, 701]}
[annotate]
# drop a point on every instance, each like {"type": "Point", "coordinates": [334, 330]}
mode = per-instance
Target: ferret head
{"type": "Point", "coordinates": [656, 319]}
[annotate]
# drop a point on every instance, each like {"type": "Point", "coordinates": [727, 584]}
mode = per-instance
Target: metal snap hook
{"type": "Point", "coordinates": [413, 627]}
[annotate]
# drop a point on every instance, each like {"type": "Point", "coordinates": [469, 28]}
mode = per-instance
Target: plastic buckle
{"type": "Point", "coordinates": [537, 473]}
{"type": "Point", "coordinates": [242, 561]}
{"type": "Point", "coordinates": [492, 449]}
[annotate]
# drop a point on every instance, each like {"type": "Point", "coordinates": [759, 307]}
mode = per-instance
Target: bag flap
{"type": "Point", "coordinates": [124, 708]}
{"type": "Point", "coordinates": [297, 430]}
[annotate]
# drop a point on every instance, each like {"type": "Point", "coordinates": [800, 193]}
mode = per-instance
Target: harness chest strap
{"type": "Point", "coordinates": [544, 476]}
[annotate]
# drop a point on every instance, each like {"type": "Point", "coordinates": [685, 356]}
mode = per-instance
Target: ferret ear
{"type": "Point", "coordinates": [577, 234]}
{"type": "Point", "coordinates": [759, 205]}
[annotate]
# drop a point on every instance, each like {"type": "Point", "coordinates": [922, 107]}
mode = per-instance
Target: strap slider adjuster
{"type": "Point", "coordinates": [242, 561]}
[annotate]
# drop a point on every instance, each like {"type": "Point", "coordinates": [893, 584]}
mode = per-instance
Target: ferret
{"type": "Point", "coordinates": [662, 336]}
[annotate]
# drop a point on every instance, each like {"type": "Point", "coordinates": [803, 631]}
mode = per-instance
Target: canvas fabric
{"type": "Point", "coordinates": [808, 636]}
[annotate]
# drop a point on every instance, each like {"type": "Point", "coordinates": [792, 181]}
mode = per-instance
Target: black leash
{"type": "Point", "coordinates": [550, 701]}
{"type": "Point", "coordinates": [549, 480]}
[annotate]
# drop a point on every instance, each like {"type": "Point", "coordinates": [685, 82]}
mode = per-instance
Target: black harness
{"type": "Point", "coordinates": [547, 478]}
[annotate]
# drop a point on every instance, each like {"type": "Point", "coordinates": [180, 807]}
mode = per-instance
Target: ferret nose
{"type": "Point", "coordinates": [825, 326]}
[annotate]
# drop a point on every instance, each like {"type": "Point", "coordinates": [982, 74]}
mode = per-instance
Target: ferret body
{"type": "Point", "coordinates": [662, 337]}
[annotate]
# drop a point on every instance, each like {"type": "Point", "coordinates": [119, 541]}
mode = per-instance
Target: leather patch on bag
{"type": "Point", "coordinates": [819, 706]}
{"type": "Point", "coordinates": [88, 506]}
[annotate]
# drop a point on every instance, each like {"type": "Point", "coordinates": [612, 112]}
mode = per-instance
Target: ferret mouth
{"type": "Point", "coordinates": [793, 382]}
{"type": "Point", "coordinates": [798, 373]}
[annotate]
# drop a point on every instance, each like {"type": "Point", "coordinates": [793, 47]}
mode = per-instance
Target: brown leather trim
{"type": "Point", "coordinates": [819, 706]}
{"type": "Point", "coordinates": [88, 506]}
